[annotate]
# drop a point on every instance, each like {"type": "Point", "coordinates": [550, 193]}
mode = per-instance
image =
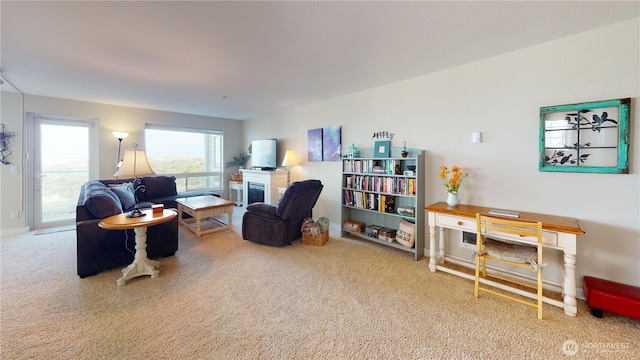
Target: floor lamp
{"type": "Point", "coordinates": [135, 163]}
{"type": "Point", "coordinates": [120, 136]}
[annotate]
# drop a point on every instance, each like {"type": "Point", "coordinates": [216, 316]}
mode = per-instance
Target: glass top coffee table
{"type": "Point", "coordinates": [205, 207]}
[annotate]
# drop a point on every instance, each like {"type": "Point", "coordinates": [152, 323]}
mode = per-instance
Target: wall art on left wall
{"type": "Point", "coordinates": [4, 145]}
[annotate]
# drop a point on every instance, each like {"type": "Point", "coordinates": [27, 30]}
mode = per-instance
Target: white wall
{"type": "Point", "coordinates": [110, 118]}
{"type": "Point", "coordinates": [11, 191]}
{"type": "Point", "coordinates": [501, 97]}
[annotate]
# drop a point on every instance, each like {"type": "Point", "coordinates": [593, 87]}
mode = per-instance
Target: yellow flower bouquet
{"type": "Point", "coordinates": [452, 179]}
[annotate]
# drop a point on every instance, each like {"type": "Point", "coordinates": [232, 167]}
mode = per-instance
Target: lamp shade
{"type": "Point", "coordinates": [289, 159]}
{"type": "Point", "coordinates": [134, 164]}
{"type": "Point", "coordinates": [120, 135]}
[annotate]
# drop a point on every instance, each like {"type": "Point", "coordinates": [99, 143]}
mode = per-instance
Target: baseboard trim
{"type": "Point", "coordinates": [14, 231]}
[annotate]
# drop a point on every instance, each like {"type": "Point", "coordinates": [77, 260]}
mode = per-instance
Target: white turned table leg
{"type": "Point", "coordinates": [141, 264]}
{"type": "Point", "coordinates": [441, 253]}
{"type": "Point", "coordinates": [432, 248]}
{"type": "Point", "coordinates": [570, 303]}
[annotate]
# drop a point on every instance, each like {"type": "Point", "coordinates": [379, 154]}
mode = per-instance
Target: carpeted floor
{"type": "Point", "coordinates": [221, 297]}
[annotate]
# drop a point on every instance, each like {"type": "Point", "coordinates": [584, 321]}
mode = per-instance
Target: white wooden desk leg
{"type": "Point", "coordinates": [441, 253]}
{"type": "Point", "coordinates": [432, 247]}
{"type": "Point", "coordinates": [570, 303]}
{"type": "Point", "coordinates": [432, 241]}
{"type": "Point", "coordinates": [141, 264]}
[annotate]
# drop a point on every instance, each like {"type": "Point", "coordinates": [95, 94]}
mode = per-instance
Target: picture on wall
{"type": "Point", "coordinates": [331, 143]}
{"type": "Point", "coordinates": [314, 144]}
{"type": "Point", "coordinates": [586, 137]}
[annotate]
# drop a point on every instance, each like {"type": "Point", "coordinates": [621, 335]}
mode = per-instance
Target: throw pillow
{"type": "Point", "coordinates": [124, 192]}
{"type": "Point", "coordinates": [100, 201]}
{"type": "Point", "coordinates": [94, 186]}
{"type": "Point", "coordinates": [159, 187]}
{"type": "Point", "coordinates": [405, 234]}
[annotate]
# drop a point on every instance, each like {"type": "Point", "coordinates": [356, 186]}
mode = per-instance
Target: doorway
{"type": "Point", "coordinates": [62, 154]}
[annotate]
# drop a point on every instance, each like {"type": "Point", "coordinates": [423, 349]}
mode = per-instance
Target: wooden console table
{"type": "Point", "coordinates": [559, 233]}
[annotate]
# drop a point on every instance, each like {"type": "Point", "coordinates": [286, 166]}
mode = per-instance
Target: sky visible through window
{"type": "Point", "coordinates": [163, 143]}
{"type": "Point", "coordinates": [55, 150]}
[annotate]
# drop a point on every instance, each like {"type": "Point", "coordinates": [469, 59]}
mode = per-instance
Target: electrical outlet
{"type": "Point", "coordinates": [15, 214]}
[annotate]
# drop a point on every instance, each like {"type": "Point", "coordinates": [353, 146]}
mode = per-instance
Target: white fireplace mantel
{"type": "Point", "coordinates": [271, 180]}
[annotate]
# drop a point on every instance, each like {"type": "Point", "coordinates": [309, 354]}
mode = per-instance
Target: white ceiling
{"type": "Point", "coordinates": [240, 60]}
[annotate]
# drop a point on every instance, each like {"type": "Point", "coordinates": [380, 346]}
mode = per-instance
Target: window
{"type": "Point", "coordinates": [193, 156]}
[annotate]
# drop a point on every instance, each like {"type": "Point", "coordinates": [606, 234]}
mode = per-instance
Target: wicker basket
{"type": "Point", "coordinates": [236, 177]}
{"type": "Point", "coordinates": [315, 239]}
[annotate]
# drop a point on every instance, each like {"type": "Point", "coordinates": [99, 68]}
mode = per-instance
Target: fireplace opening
{"type": "Point", "coordinates": [255, 192]}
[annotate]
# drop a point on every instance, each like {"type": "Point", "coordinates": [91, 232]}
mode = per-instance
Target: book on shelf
{"type": "Point", "coordinates": [406, 210]}
{"type": "Point", "coordinates": [389, 204]}
{"type": "Point", "coordinates": [383, 184]}
{"type": "Point", "coordinates": [372, 230]}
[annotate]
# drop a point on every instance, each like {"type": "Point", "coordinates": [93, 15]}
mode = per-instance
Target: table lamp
{"type": "Point", "coordinates": [289, 161]}
{"type": "Point", "coordinates": [135, 163]}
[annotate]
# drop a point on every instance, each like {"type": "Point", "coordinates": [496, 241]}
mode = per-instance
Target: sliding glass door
{"type": "Point", "coordinates": [61, 164]}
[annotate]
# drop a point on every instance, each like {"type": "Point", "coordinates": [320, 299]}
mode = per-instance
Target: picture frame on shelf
{"type": "Point", "coordinates": [382, 148]}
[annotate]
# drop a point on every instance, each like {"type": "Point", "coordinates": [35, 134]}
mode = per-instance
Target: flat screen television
{"type": "Point", "coordinates": [263, 154]}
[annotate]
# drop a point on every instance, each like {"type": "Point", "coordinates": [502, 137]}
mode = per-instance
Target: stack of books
{"type": "Point", "coordinates": [407, 211]}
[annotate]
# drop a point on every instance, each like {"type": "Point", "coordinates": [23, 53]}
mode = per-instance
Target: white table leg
{"type": "Point", "coordinates": [569, 288]}
{"type": "Point", "coordinates": [141, 265]}
{"type": "Point", "coordinates": [441, 246]}
{"type": "Point", "coordinates": [432, 241]}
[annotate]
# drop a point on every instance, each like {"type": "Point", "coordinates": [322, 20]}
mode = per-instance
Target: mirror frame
{"type": "Point", "coordinates": [599, 123]}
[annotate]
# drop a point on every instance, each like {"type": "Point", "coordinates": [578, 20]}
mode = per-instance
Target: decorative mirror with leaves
{"type": "Point", "coordinates": [587, 137]}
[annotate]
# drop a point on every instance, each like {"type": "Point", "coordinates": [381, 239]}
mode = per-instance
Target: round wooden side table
{"type": "Point", "coordinates": [141, 264]}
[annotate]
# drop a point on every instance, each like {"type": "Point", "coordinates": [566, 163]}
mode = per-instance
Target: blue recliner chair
{"type": "Point", "coordinates": [279, 225]}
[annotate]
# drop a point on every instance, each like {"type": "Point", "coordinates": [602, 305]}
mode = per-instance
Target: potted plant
{"type": "Point", "coordinates": [240, 161]}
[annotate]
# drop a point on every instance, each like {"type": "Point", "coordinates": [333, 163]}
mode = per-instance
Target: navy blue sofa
{"type": "Point", "coordinates": [99, 249]}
